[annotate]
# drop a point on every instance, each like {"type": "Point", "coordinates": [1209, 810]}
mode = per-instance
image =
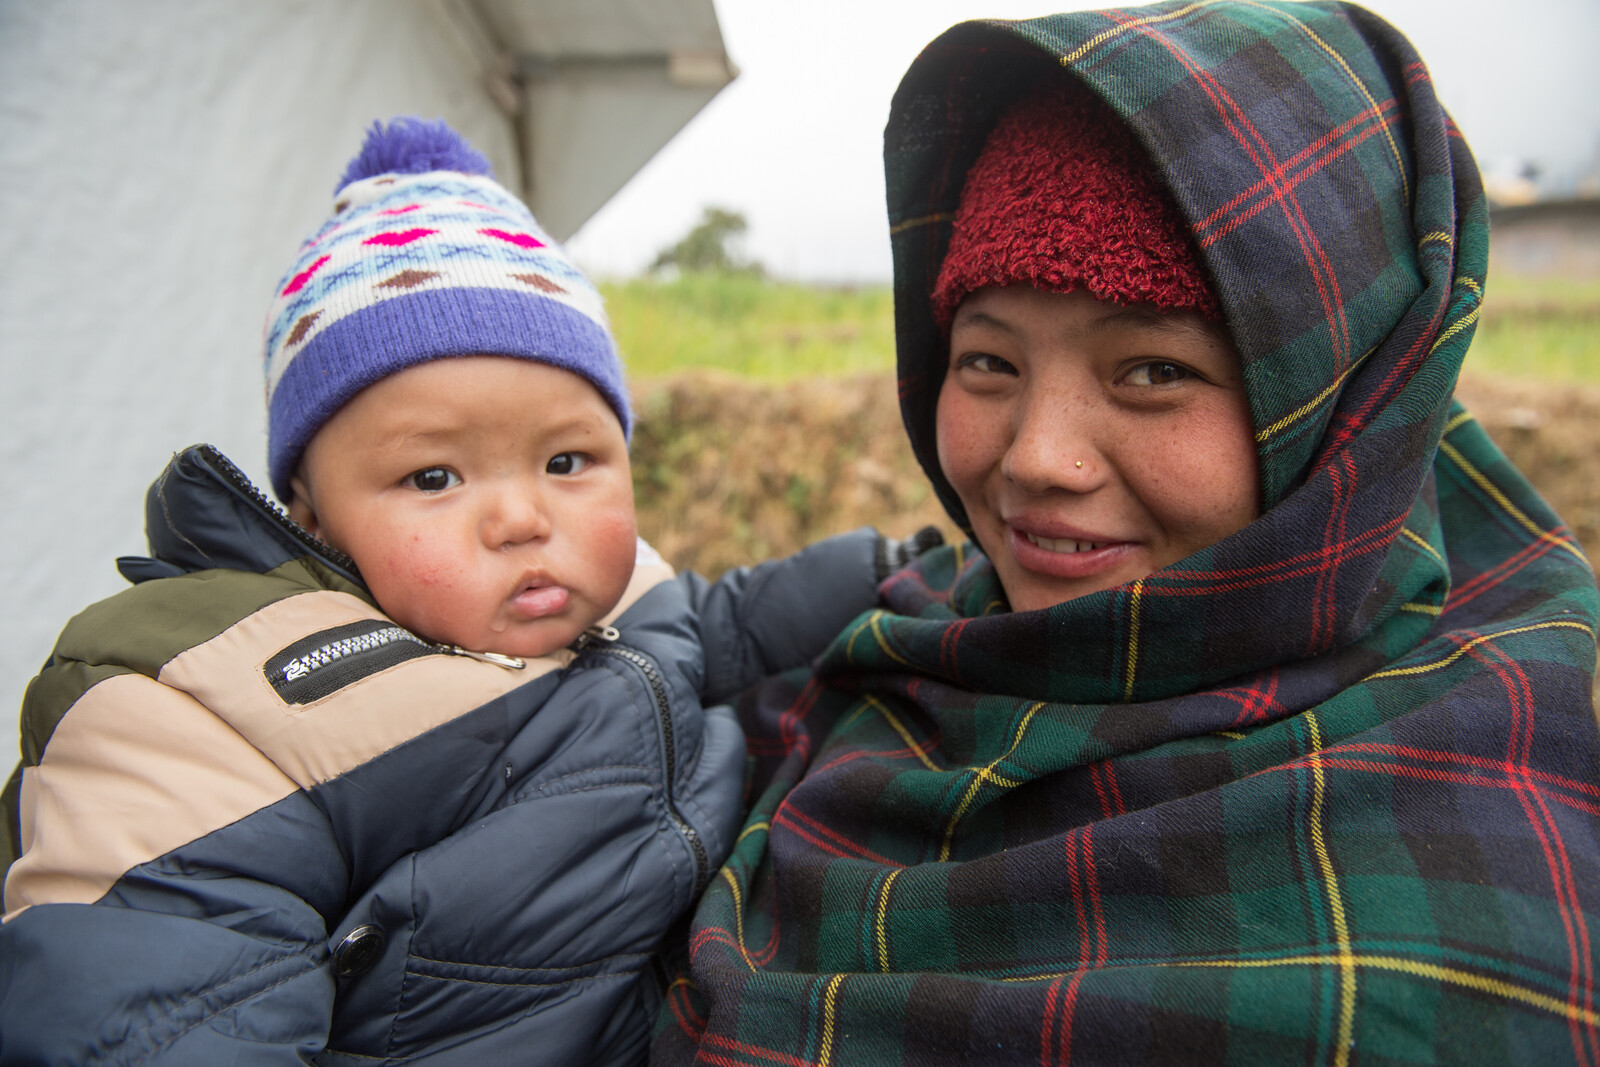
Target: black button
{"type": "Point", "coordinates": [358, 951]}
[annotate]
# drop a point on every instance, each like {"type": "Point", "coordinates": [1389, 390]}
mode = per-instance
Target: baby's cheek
{"type": "Point", "coordinates": [420, 561]}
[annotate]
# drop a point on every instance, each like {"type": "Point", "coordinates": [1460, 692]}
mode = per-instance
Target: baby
{"type": "Point", "coordinates": [426, 771]}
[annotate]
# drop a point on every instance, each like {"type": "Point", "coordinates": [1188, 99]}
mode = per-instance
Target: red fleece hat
{"type": "Point", "coordinates": [1061, 198]}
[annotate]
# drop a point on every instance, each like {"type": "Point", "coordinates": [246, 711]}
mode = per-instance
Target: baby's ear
{"type": "Point", "coordinates": [300, 506]}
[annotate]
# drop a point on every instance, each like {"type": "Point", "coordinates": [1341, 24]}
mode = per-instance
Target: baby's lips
{"type": "Point", "coordinates": [541, 601]}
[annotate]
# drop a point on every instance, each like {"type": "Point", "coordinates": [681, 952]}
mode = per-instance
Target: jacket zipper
{"type": "Point", "coordinates": [510, 663]}
{"type": "Point", "coordinates": [602, 640]}
{"type": "Point", "coordinates": [237, 480]}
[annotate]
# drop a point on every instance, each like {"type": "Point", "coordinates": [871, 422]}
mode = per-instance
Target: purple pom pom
{"type": "Point", "coordinates": [412, 146]}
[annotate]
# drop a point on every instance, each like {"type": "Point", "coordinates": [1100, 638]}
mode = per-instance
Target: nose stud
{"type": "Point", "coordinates": [1078, 464]}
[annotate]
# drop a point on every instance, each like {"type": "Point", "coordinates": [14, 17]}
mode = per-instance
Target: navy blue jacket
{"type": "Point", "coordinates": [260, 823]}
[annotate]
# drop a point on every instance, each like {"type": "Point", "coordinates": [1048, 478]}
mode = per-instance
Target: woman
{"type": "Point", "coordinates": [1256, 724]}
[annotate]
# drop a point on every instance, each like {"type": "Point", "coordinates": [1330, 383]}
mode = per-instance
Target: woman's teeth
{"type": "Point", "coordinates": [1065, 546]}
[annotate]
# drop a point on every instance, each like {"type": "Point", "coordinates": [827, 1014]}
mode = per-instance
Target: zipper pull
{"type": "Point", "coordinates": [596, 635]}
{"type": "Point", "coordinates": [509, 662]}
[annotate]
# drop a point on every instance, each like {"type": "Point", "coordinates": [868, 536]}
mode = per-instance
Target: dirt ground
{"type": "Point", "coordinates": [729, 471]}
{"type": "Point", "coordinates": [1551, 431]}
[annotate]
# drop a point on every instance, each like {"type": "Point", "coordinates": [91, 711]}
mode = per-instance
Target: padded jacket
{"type": "Point", "coordinates": [258, 822]}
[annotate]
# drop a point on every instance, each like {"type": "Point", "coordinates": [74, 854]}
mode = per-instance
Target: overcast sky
{"type": "Point", "coordinates": [794, 143]}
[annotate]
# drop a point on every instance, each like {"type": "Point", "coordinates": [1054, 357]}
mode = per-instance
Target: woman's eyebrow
{"type": "Point", "coordinates": [981, 319]}
{"type": "Point", "coordinates": [1148, 319]}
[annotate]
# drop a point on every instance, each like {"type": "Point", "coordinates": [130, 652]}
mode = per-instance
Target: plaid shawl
{"type": "Point", "coordinates": [1327, 791]}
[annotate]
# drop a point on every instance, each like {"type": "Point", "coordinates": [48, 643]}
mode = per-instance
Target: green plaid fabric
{"type": "Point", "coordinates": [1326, 792]}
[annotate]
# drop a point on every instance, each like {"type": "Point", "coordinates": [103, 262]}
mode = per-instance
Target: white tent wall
{"type": "Point", "coordinates": [159, 164]}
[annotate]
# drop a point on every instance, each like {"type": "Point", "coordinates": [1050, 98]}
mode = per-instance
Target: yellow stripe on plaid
{"type": "Point", "coordinates": [923, 220]}
{"type": "Point", "coordinates": [830, 1002]}
{"type": "Point", "coordinates": [1454, 328]}
{"type": "Point", "coordinates": [1482, 482]}
{"type": "Point", "coordinates": [872, 624]}
{"type": "Point", "coordinates": [1425, 668]}
{"type": "Point", "coordinates": [900, 728]}
{"type": "Point", "coordinates": [1310, 405]}
{"type": "Point", "coordinates": [984, 776]}
{"type": "Point", "coordinates": [1317, 401]}
{"type": "Point", "coordinates": [1421, 543]}
{"type": "Point", "coordinates": [738, 916]}
{"type": "Point", "coordinates": [1357, 83]}
{"type": "Point", "coordinates": [1496, 987]}
{"type": "Point", "coordinates": [880, 926]}
{"type": "Point", "coordinates": [1133, 641]}
{"type": "Point", "coordinates": [1100, 38]}
{"type": "Point", "coordinates": [1330, 880]}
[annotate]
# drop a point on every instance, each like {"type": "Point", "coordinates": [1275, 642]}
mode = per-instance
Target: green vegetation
{"type": "Point", "coordinates": [1541, 328]}
{"type": "Point", "coordinates": [704, 249]}
{"type": "Point", "coordinates": [741, 325]}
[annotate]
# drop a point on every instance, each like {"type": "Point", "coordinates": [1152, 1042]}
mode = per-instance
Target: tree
{"type": "Point", "coordinates": [704, 249]}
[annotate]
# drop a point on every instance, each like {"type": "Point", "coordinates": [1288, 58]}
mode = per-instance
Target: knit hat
{"type": "Point", "coordinates": [1061, 198]}
{"type": "Point", "coordinates": [424, 257]}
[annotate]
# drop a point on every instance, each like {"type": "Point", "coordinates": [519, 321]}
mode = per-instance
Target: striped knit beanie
{"type": "Point", "coordinates": [425, 257]}
{"type": "Point", "coordinates": [1061, 198]}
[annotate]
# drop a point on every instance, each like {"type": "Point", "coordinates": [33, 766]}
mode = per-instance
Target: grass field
{"type": "Point", "coordinates": [758, 330]}
{"type": "Point", "coordinates": [768, 415]}
{"type": "Point", "coordinates": [1543, 329]}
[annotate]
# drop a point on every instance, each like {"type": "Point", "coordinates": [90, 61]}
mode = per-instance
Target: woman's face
{"type": "Point", "coordinates": [1092, 443]}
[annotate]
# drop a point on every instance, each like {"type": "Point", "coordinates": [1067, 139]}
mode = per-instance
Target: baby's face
{"type": "Point", "coordinates": [487, 501]}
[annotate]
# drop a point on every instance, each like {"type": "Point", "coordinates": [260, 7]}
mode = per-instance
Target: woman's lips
{"type": "Point", "coordinates": [541, 600]}
{"type": "Point", "coordinates": [1066, 557]}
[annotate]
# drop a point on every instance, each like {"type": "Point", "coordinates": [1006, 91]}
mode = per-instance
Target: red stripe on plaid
{"type": "Point", "coordinates": [1377, 537]}
{"type": "Point", "coordinates": [1056, 1024]}
{"type": "Point", "coordinates": [1486, 580]}
{"type": "Point", "coordinates": [948, 659]}
{"type": "Point", "coordinates": [1581, 983]}
{"type": "Point", "coordinates": [1428, 774]}
{"type": "Point", "coordinates": [918, 751]}
{"type": "Point", "coordinates": [1398, 375]}
{"type": "Point", "coordinates": [760, 1055]}
{"type": "Point", "coordinates": [717, 935]}
{"type": "Point", "coordinates": [1260, 153]}
{"type": "Point", "coordinates": [1164, 583]}
{"type": "Point", "coordinates": [807, 828]}
{"type": "Point", "coordinates": [689, 1020]}
{"type": "Point", "coordinates": [1256, 704]}
{"type": "Point", "coordinates": [1324, 615]}
{"type": "Point", "coordinates": [1109, 794]}
{"type": "Point", "coordinates": [1439, 756]}
{"type": "Point", "coordinates": [1326, 151]}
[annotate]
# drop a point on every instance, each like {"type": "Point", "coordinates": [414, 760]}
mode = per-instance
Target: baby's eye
{"type": "Point", "coordinates": [567, 463]}
{"type": "Point", "coordinates": [432, 479]}
{"type": "Point", "coordinates": [1157, 373]}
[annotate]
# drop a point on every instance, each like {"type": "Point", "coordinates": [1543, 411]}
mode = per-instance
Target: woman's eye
{"type": "Point", "coordinates": [985, 363]}
{"type": "Point", "coordinates": [1157, 373]}
{"type": "Point", "coordinates": [432, 479]}
{"type": "Point", "coordinates": [567, 463]}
